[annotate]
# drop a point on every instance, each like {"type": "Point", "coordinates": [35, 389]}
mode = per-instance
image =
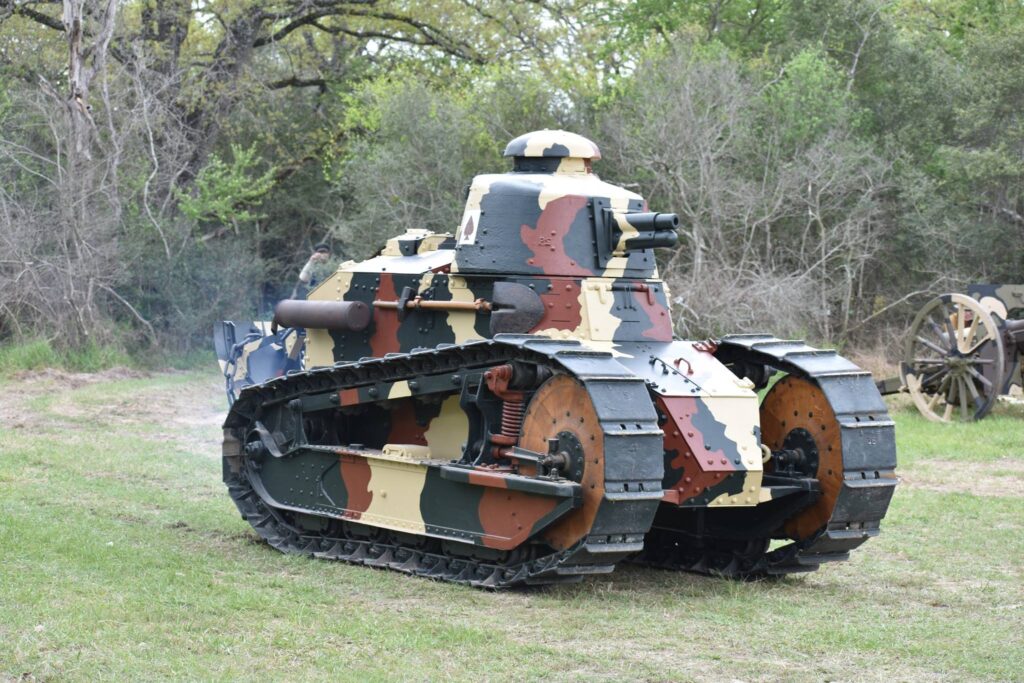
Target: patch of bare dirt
{"type": "Point", "coordinates": [187, 414]}
{"type": "Point", "coordinates": [190, 416]}
{"type": "Point", "coordinates": [1003, 477]}
{"type": "Point", "coordinates": [876, 362]}
{"type": "Point", "coordinates": [78, 379]}
{"type": "Point", "coordinates": [26, 385]}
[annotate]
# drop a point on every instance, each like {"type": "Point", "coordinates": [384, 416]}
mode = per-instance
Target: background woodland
{"type": "Point", "coordinates": [167, 164]}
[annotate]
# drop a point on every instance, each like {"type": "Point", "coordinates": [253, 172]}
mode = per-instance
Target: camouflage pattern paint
{"type": "Point", "coordinates": [551, 220]}
{"type": "Point", "coordinates": [552, 143]}
{"type": "Point", "coordinates": [426, 458]}
{"type": "Point", "coordinates": [1006, 301]}
{"type": "Point", "coordinates": [397, 489]}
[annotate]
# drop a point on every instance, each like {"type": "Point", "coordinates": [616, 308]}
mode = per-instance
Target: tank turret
{"type": "Point", "coordinates": [509, 406]}
{"type": "Point", "coordinates": [552, 215]}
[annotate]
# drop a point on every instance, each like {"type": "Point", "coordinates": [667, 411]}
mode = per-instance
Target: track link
{"type": "Point", "coordinates": [616, 394]}
{"type": "Point", "coordinates": [869, 462]}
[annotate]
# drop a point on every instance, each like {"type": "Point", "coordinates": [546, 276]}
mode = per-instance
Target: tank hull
{"type": "Point", "coordinates": [388, 462]}
{"type": "Point", "coordinates": [508, 405]}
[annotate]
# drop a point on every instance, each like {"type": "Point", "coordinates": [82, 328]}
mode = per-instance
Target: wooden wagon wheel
{"type": "Point", "coordinates": [953, 361]}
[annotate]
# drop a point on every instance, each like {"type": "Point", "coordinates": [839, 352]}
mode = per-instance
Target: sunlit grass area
{"type": "Point", "coordinates": [122, 558]}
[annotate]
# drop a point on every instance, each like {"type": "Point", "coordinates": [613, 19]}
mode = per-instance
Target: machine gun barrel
{"type": "Point", "coordinates": [654, 230]}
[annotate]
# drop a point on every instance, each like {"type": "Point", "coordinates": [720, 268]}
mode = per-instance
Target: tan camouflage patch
{"type": "Point", "coordinates": [627, 230]}
{"type": "Point", "coordinates": [447, 431]}
{"type": "Point", "coordinates": [751, 495]}
{"type": "Point", "coordinates": [462, 322]}
{"type": "Point", "coordinates": [425, 283]}
{"type": "Point", "coordinates": [738, 414]}
{"type": "Point", "coordinates": [399, 390]}
{"type": "Point", "coordinates": [319, 343]}
{"type": "Point", "coordinates": [576, 145]}
{"type": "Point", "coordinates": [392, 248]}
{"type": "Point", "coordinates": [242, 364]}
{"type": "Point", "coordinates": [407, 451]}
{"type": "Point", "coordinates": [601, 322]}
{"type": "Point", "coordinates": [466, 234]}
{"type": "Point", "coordinates": [557, 186]}
{"type": "Point", "coordinates": [432, 241]}
{"type": "Point", "coordinates": [396, 485]}
{"type": "Point", "coordinates": [617, 264]}
{"type": "Point", "coordinates": [572, 165]}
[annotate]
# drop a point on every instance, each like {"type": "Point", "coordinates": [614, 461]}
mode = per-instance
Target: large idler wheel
{"type": "Point", "coordinates": [562, 409]}
{"type": "Point", "coordinates": [954, 359]}
{"type": "Point", "coordinates": [800, 427]}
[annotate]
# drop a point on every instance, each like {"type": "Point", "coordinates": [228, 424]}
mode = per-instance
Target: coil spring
{"type": "Point", "coordinates": [512, 417]}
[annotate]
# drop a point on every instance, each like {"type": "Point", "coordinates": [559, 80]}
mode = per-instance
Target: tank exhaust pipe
{"type": "Point", "coordinates": [349, 316]}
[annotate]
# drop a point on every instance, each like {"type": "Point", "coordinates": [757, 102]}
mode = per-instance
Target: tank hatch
{"type": "Point", "coordinates": [551, 215]}
{"type": "Point", "coordinates": [552, 143]}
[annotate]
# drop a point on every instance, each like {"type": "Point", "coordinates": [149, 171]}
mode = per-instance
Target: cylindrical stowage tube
{"type": "Point", "coordinates": [350, 316]}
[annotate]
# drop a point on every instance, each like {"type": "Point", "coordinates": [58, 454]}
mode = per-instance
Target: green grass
{"type": "Point", "coordinates": [122, 558]}
{"type": "Point", "coordinates": [997, 435]}
{"type": "Point", "coordinates": [39, 354]}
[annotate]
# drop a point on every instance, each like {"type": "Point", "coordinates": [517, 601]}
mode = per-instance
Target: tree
{"type": "Point", "coordinates": [415, 149]}
{"type": "Point", "coordinates": [779, 199]}
{"type": "Point", "coordinates": [183, 88]}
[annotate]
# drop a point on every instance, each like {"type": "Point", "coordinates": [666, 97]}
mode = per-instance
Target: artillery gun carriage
{"type": "Point", "coordinates": [962, 353]}
{"type": "Point", "coordinates": [507, 405]}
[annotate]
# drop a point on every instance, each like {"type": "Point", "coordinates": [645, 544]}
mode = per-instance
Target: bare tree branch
{"type": "Point", "coordinates": [23, 9]}
{"type": "Point", "coordinates": [297, 82]}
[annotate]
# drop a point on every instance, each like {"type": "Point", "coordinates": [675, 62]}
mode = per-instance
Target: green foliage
{"type": "Point", "coordinates": [39, 354]}
{"type": "Point", "coordinates": [6, 102]}
{"type": "Point", "coordinates": [183, 296]}
{"type": "Point", "coordinates": [29, 355]}
{"type": "Point", "coordinates": [229, 141]}
{"type": "Point", "coordinates": [809, 100]}
{"type": "Point", "coordinates": [93, 357]}
{"type": "Point", "coordinates": [201, 358]}
{"type": "Point", "coordinates": [743, 25]}
{"type": "Point", "coordinates": [226, 191]}
{"type": "Point", "coordinates": [951, 22]}
{"type": "Point", "coordinates": [412, 148]}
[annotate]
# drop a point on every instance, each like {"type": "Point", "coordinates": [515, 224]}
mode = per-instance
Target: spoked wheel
{"type": "Point", "coordinates": [953, 360]}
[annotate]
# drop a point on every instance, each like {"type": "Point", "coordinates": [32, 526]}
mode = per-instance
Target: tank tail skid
{"type": "Point", "coordinates": [864, 490]}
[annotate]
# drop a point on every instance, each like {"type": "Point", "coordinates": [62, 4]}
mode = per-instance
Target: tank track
{"type": "Point", "coordinates": [391, 554]}
{"type": "Point", "coordinates": [869, 459]}
{"type": "Point", "coordinates": [425, 557]}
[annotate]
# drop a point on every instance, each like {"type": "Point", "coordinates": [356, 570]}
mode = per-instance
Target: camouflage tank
{"type": "Point", "coordinates": [507, 405]}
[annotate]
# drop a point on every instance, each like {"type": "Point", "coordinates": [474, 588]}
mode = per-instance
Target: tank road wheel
{"type": "Point", "coordinates": [954, 359]}
{"type": "Point", "coordinates": [800, 426]}
{"type": "Point", "coordinates": [562, 410]}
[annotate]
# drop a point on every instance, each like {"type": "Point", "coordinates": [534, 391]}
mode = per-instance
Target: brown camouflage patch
{"type": "Point", "coordinates": [508, 517]}
{"type": "Point", "coordinates": [356, 473]}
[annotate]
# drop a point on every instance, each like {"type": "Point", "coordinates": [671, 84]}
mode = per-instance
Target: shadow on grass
{"type": "Point", "coordinates": [637, 579]}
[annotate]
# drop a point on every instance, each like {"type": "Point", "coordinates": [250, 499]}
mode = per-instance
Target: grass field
{"type": "Point", "coordinates": [122, 558]}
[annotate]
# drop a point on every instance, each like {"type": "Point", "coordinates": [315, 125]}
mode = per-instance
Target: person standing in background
{"type": "Point", "coordinates": [313, 272]}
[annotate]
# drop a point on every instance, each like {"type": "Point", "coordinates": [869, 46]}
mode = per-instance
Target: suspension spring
{"type": "Point", "coordinates": [512, 418]}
